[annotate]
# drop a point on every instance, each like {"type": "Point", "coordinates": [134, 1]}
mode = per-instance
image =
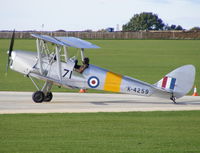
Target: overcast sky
{"type": "Point", "coordinates": [76, 15]}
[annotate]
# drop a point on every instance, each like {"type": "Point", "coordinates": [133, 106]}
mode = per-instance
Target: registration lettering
{"type": "Point", "coordinates": [138, 90]}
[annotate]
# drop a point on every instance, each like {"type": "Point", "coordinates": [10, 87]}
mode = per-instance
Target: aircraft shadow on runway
{"type": "Point", "coordinates": [147, 103]}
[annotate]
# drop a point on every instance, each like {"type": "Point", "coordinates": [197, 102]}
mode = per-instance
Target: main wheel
{"type": "Point", "coordinates": [38, 96]}
{"type": "Point", "coordinates": [48, 97]}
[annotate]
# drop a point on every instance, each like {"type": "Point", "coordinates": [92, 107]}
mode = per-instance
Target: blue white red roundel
{"type": "Point", "coordinates": [93, 82]}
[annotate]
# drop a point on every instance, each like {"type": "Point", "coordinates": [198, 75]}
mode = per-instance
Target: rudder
{"type": "Point", "coordinates": [178, 82]}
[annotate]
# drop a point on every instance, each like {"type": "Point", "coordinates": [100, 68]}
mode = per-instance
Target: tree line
{"type": "Point", "coordinates": [149, 21]}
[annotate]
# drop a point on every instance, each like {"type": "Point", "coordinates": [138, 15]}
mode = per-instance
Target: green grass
{"type": "Point", "coordinates": [146, 132]}
{"type": "Point", "coordinates": [147, 60]}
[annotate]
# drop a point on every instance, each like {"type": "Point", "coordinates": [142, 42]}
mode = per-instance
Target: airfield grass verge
{"type": "Point", "coordinates": [147, 60]}
{"type": "Point", "coordinates": [145, 132]}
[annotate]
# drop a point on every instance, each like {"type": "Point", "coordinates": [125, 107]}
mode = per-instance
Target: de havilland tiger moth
{"type": "Point", "coordinates": [55, 67]}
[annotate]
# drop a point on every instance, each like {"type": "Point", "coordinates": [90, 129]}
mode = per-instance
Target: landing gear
{"type": "Point", "coordinates": [48, 97]}
{"type": "Point", "coordinates": [38, 96]}
{"type": "Point", "coordinates": [44, 94]}
{"type": "Point", "coordinates": [173, 98]}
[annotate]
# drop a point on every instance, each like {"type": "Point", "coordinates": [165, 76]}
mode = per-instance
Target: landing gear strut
{"type": "Point", "coordinates": [173, 98]}
{"type": "Point", "coordinates": [44, 94]}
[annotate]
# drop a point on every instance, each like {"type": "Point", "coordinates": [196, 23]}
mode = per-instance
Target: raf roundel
{"type": "Point", "coordinates": [93, 82]}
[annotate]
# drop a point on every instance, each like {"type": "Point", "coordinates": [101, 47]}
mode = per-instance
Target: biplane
{"type": "Point", "coordinates": [55, 67]}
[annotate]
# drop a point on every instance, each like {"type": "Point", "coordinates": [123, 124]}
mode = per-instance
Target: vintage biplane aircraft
{"type": "Point", "coordinates": [55, 67]}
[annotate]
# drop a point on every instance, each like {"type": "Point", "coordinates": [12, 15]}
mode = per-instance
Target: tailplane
{"type": "Point", "coordinates": [178, 82]}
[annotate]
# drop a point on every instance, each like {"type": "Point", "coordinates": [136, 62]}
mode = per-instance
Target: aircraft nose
{"type": "Point", "coordinates": [13, 54]}
{"type": "Point", "coordinates": [10, 53]}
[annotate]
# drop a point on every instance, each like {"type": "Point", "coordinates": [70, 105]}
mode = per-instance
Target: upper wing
{"type": "Point", "coordinates": [76, 42]}
{"type": "Point", "coordinates": [66, 41]}
{"type": "Point", "coordinates": [48, 38]}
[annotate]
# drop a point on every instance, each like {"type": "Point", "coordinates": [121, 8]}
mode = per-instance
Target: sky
{"type": "Point", "coordinates": [78, 15]}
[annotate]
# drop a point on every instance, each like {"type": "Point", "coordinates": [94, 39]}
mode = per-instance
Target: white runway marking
{"type": "Point", "coordinates": [21, 102]}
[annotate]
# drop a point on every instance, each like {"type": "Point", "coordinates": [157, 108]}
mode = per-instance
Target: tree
{"type": "Point", "coordinates": [179, 27]}
{"type": "Point", "coordinates": [144, 21]}
{"type": "Point", "coordinates": [173, 27]}
{"type": "Point", "coordinates": [195, 29]}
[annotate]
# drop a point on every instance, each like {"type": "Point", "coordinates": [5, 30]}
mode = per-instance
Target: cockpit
{"type": "Point", "coordinates": [81, 68]}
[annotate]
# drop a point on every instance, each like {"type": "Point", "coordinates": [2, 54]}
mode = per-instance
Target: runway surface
{"type": "Point", "coordinates": [21, 102]}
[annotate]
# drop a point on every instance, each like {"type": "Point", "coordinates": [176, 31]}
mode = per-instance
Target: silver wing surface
{"type": "Point", "coordinates": [67, 41]}
{"type": "Point", "coordinates": [48, 39]}
{"type": "Point", "coordinates": [76, 42]}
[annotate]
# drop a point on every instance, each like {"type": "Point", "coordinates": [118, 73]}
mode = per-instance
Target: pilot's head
{"type": "Point", "coordinates": [76, 62]}
{"type": "Point", "coordinates": [86, 60]}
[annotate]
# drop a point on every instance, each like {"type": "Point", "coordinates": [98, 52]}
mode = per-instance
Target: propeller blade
{"type": "Point", "coordinates": [11, 43]}
{"type": "Point", "coordinates": [10, 50]}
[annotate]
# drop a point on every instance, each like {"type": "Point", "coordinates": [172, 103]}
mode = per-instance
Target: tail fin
{"type": "Point", "coordinates": [178, 82]}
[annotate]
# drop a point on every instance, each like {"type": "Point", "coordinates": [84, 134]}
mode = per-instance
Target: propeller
{"type": "Point", "coordinates": [10, 50]}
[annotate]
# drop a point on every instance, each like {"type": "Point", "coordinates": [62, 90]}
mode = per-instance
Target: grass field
{"type": "Point", "coordinates": [147, 60]}
{"type": "Point", "coordinates": [149, 132]}
{"type": "Point", "coordinates": [145, 132]}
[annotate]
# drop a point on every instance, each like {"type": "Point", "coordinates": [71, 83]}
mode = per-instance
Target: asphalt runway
{"type": "Point", "coordinates": [21, 102]}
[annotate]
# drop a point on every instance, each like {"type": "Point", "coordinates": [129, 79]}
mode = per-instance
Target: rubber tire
{"type": "Point", "coordinates": [38, 96]}
{"type": "Point", "coordinates": [48, 97]}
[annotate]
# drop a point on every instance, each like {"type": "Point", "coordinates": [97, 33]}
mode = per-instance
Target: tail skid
{"type": "Point", "coordinates": [177, 83]}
